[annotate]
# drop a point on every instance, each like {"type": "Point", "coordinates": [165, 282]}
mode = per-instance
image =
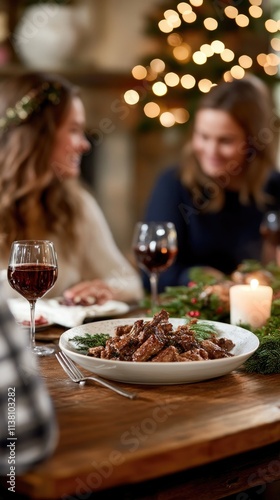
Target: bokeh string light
{"type": "Point", "coordinates": [204, 42]}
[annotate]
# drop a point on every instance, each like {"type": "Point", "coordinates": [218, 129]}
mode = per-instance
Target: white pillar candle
{"type": "Point", "coordinates": [250, 304]}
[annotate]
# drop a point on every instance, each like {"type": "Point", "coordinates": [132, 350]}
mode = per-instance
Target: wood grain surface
{"type": "Point", "coordinates": [107, 440]}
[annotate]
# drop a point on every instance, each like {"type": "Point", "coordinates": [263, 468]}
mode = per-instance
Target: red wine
{"type": "Point", "coordinates": [32, 280]}
{"type": "Point", "coordinates": [155, 261]}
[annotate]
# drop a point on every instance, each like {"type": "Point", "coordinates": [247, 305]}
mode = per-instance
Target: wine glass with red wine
{"type": "Point", "coordinates": [155, 248]}
{"type": "Point", "coordinates": [270, 227]}
{"type": "Point", "coordinates": [32, 272]}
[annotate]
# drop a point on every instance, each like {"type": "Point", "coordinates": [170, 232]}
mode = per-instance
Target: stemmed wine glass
{"type": "Point", "coordinates": [32, 272]}
{"type": "Point", "coordinates": [155, 248]}
{"type": "Point", "coordinates": [270, 227]}
{"type": "Point", "coordinates": [270, 232]}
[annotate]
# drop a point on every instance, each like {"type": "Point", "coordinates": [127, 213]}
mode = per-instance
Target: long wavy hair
{"type": "Point", "coordinates": [249, 103]}
{"type": "Point", "coordinates": [34, 201]}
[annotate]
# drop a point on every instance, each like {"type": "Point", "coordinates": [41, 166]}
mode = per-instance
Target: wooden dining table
{"type": "Point", "coordinates": [203, 440]}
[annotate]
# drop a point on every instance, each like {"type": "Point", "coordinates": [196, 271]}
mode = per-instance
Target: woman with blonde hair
{"type": "Point", "coordinates": [226, 181]}
{"type": "Point", "coordinates": [42, 121]}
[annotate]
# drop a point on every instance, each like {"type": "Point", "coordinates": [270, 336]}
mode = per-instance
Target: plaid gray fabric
{"type": "Point", "coordinates": [28, 428]}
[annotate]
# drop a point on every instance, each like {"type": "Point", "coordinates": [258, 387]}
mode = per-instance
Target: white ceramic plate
{"type": "Point", "coordinates": [246, 344]}
{"type": "Point", "coordinates": [38, 327]}
{"type": "Point", "coordinates": [111, 308]}
{"type": "Point", "coordinates": [68, 316]}
{"type": "Point", "coordinates": [20, 309]}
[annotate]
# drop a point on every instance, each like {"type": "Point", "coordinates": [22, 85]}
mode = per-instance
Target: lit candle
{"type": "Point", "coordinates": [250, 304]}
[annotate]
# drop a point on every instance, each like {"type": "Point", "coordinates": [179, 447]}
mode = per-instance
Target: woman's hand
{"type": "Point", "coordinates": [88, 292]}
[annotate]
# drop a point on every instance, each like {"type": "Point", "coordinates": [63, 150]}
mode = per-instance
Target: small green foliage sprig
{"type": "Point", "coordinates": [84, 342]}
{"type": "Point", "coordinates": [191, 301]}
{"type": "Point", "coordinates": [266, 359]}
{"type": "Point", "coordinates": [203, 331]}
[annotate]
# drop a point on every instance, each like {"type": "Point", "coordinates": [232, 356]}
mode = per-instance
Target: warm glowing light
{"type": "Point", "coordinates": [162, 79]}
{"type": "Point", "coordinates": [159, 88]}
{"type": "Point", "coordinates": [228, 76]}
{"type": "Point", "coordinates": [184, 7]}
{"type": "Point", "coordinates": [255, 11]}
{"type": "Point", "coordinates": [237, 72]}
{"type": "Point", "coordinates": [270, 70]}
{"type": "Point", "coordinates": [255, 2]}
{"type": "Point", "coordinates": [165, 26]}
{"type": "Point", "coordinates": [196, 3]}
{"type": "Point", "coordinates": [271, 26]}
{"type": "Point", "coordinates": [151, 76]}
{"type": "Point", "coordinates": [275, 44]}
{"type": "Point", "coordinates": [139, 72]}
{"type": "Point", "coordinates": [218, 46]}
{"type": "Point", "coordinates": [261, 58]}
{"type": "Point", "coordinates": [174, 39]}
{"type": "Point", "coordinates": [231, 12]}
{"type": "Point", "coordinates": [157, 65]}
{"type": "Point", "coordinates": [131, 97]}
{"type": "Point", "coordinates": [242, 20]}
{"type": "Point", "coordinates": [245, 61]}
{"type": "Point", "coordinates": [254, 284]}
{"type": "Point", "coordinates": [151, 109]}
{"type": "Point", "coordinates": [272, 59]}
{"type": "Point", "coordinates": [210, 23]}
{"type": "Point", "coordinates": [227, 55]}
{"type": "Point", "coordinates": [207, 49]}
{"type": "Point", "coordinates": [171, 79]}
{"type": "Point", "coordinates": [204, 85]}
{"type": "Point", "coordinates": [199, 57]}
{"type": "Point", "coordinates": [176, 22]}
{"type": "Point", "coordinates": [188, 81]}
{"type": "Point", "coordinates": [172, 18]}
{"type": "Point", "coordinates": [167, 119]}
{"type": "Point", "coordinates": [189, 17]}
{"type": "Point", "coordinates": [182, 53]}
{"type": "Point", "coordinates": [181, 115]}
{"type": "Point", "coordinates": [170, 13]}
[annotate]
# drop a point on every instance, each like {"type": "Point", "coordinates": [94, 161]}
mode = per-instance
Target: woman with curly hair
{"type": "Point", "coordinates": [42, 121]}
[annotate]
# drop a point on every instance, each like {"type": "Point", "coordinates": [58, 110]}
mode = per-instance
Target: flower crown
{"type": "Point", "coordinates": [30, 103]}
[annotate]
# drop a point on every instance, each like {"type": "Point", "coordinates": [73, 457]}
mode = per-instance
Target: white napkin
{"type": "Point", "coordinates": [68, 316]}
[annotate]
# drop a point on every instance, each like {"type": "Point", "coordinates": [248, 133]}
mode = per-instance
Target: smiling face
{"type": "Point", "coordinates": [219, 143]}
{"type": "Point", "coordinates": [70, 143]}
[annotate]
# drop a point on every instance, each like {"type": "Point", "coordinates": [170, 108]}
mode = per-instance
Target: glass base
{"type": "Point", "coordinates": [43, 351]}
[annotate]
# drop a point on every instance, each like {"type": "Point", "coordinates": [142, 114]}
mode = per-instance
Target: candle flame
{"type": "Point", "coordinates": [254, 284]}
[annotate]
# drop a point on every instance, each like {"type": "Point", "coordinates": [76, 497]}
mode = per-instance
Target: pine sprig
{"type": "Point", "coordinates": [203, 331]}
{"type": "Point", "coordinates": [84, 342]}
{"type": "Point", "coordinates": [192, 301]}
{"type": "Point", "coordinates": [266, 359]}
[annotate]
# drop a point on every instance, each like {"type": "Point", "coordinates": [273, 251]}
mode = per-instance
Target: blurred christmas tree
{"type": "Point", "coordinates": [198, 44]}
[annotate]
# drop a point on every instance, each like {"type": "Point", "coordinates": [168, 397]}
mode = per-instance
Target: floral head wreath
{"type": "Point", "coordinates": [31, 103]}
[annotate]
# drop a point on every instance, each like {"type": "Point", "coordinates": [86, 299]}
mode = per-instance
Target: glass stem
{"type": "Point", "coordinates": [32, 323]}
{"type": "Point", "coordinates": [154, 291]}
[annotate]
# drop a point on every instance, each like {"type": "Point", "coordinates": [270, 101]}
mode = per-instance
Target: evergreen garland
{"type": "Point", "coordinates": [192, 301]}
{"type": "Point", "coordinates": [266, 359]}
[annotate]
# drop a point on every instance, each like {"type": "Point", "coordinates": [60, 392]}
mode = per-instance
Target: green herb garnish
{"type": "Point", "coordinates": [203, 331]}
{"type": "Point", "coordinates": [86, 341]}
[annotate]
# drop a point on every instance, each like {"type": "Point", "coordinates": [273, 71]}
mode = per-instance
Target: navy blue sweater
{"type": "Point", "coordinates": [221, 240]}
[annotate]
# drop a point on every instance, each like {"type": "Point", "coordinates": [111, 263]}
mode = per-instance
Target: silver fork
{"type": "Point", "coordinates": [77, 376]}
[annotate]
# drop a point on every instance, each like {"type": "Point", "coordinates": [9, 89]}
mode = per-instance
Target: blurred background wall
{"type": "Point", "coordinates": [97, 43]}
